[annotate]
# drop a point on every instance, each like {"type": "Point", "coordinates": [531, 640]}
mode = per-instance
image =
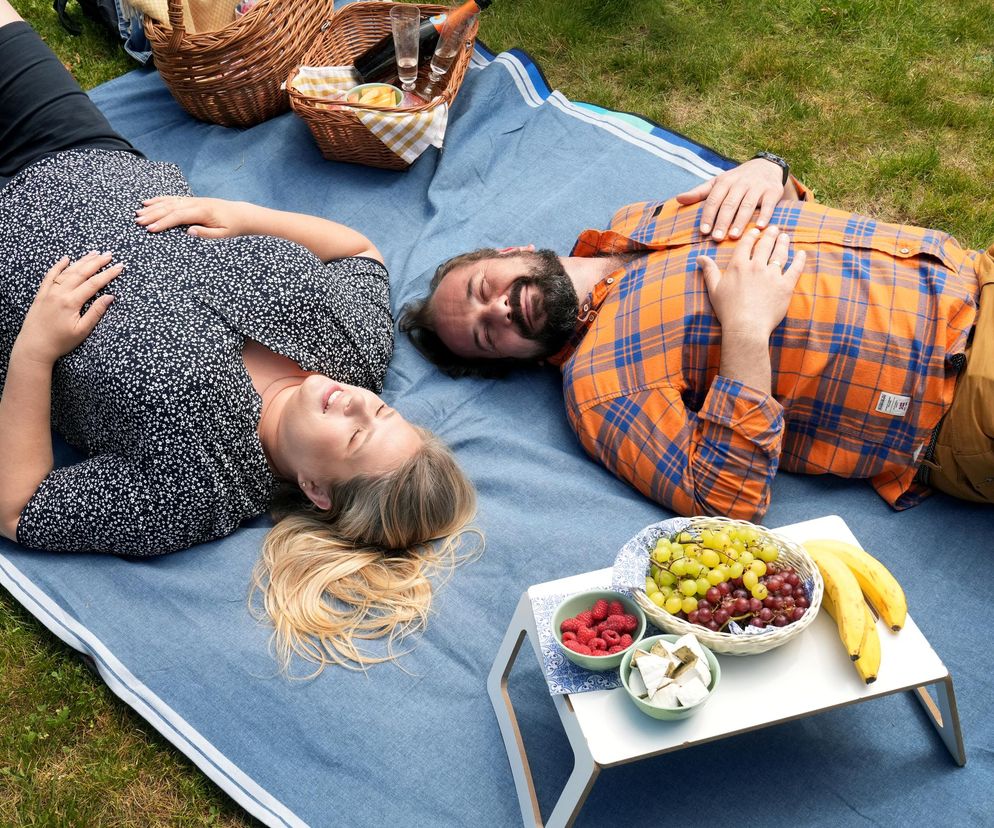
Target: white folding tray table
{"type": "Point", "coordinates": [809, 674]}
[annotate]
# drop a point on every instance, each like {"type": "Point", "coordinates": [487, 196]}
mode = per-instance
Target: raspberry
{"type": "Point", "coordinates": [599, 611]}
{"type": "Point", "coordinates": [616, 608]}
{"type": "Point", "coordinates": [569, 636]}
{"type": "Point", "coordinates": [598, 644]}
{"type": "Point", "coordinates": [616, 623]}
{"type": "Point", "coordinates": [617, 648]}
{"type": "Point", "coordinates": [631, 623]}
{"type": "Point", "coordinates": [569, 625]}
{"type": "Point", "coordinates": [585, 618]}
{"type": "Point", "coordinates": [611, 637]}
{"type": "Point", "coordinates": [577, 647]}
{"type": "Point", "coordinates": [626, 640]}
{"type": "Point", "coordinates": [585, 635]}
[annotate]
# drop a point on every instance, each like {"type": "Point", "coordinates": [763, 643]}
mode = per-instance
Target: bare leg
{"type": "Point", "coordinates": [7, 13]}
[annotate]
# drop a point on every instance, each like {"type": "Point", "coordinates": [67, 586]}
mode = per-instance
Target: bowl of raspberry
{"type": "Point", "coordinates": [596, 628]}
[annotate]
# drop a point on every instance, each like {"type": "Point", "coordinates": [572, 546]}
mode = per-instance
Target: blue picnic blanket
{"type": "Point", "coordinates": [418, 744]}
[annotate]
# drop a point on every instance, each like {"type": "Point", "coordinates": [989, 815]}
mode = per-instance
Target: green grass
{"type": "Point", "coordinates": [883, 106]}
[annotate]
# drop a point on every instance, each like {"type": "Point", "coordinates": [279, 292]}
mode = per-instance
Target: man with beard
{"type": "Point", "coordinates": [695, 365]}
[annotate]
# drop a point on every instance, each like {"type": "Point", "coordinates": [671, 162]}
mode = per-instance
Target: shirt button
{"type": "Point", "coordinates": [610, 280]}
{"type": "Point", "coordinates": [905, 250]}
{"type": "Point", "coordinates": [586, 307]}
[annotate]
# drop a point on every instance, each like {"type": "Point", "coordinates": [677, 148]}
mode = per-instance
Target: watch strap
{"type": "Point", "coordinates": [776, 159]}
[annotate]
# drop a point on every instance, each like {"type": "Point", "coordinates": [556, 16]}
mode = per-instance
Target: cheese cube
{"type": "Point", "coordinates": [691, 692]}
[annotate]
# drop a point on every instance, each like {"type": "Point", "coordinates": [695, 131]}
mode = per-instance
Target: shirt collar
{"type": "Point", "coordinates": [595, 243]}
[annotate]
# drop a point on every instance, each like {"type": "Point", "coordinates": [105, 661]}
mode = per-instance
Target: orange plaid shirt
{"type": "Point", "coordinates": [862, 368]}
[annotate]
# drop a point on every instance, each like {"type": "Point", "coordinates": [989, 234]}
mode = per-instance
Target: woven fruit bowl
{"type": "Point", "coordinates": [634, 565]}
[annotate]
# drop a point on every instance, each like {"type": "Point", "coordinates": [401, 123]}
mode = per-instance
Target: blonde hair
{"type": "Point", "coordinates": [361, 569]}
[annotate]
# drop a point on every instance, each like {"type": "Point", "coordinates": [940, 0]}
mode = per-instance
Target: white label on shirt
{"type": "Point", "coordinates": [893, 404]}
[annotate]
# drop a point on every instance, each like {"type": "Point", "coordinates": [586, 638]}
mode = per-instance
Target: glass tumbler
{"type": "Point", "coordinates": [405, 22]}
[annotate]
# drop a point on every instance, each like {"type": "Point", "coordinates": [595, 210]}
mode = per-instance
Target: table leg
{"type": "Point", "coordinates": [585, 769]}
{"type": "Point", "coordinates": [944, 716]}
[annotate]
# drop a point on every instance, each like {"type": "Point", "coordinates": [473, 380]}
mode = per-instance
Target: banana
{"type": "Point", "coordinates": [868, 663]}
{"type": "Point", "coordinates": [846, 597]}
{"type": "Point", "coordinates": [876, 581]}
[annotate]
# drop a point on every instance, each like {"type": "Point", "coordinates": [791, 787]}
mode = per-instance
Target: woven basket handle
{"type": "Point", "coordinates": [176, 24]}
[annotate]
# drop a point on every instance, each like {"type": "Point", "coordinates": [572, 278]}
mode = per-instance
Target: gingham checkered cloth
{"type": "Point", "coordinates": [408, 134]}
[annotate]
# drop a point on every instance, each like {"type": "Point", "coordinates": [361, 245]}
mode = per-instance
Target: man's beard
{"type": "Point", "coordinates": [559, 301]}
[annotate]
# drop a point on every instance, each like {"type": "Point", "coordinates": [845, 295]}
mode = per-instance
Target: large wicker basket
{"type": "Point", "coordinates": [233, 76]}
{"type": "Point", "coordinates": [728, 643]}
{"type": "Point", "coordinates": [338, 131]}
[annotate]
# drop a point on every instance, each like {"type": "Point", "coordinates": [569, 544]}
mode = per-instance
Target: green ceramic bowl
{"type": "Point", "coordinates": [666, 713]}
{"type": "Point", "coordinates": [584, 601]}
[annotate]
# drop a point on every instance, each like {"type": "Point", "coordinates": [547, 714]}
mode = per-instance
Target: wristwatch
{"type": "Point", "coordinates": [776, 159]}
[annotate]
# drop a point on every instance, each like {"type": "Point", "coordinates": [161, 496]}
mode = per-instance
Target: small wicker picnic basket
{"type": "Point", "coordinates": [726, 643]}
{"type": "Point", "coordinates": [233, 76]}
{"type": "Point", "coordinates": [338, 130]}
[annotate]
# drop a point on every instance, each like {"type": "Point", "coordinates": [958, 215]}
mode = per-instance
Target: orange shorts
{"type": "Point", "coordinates": [963, 462]}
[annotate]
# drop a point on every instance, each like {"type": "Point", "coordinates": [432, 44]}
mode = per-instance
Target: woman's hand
{"type": "Point", "coordinates": [732, 197]}
{"type": "Point", "coordinates": [211, 218]}
{"type": "Point", "coordinates": [751, 297]}
{"type": "Point", "coordinates": [54, 324]}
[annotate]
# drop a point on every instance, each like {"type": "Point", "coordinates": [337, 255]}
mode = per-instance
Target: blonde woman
{"type": "Point", "coordinates": [221, 353]}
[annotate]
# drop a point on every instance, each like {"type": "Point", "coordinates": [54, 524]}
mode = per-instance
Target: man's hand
{"type": "Point", "coordinates": [732, 197]}
{"type": "Point", "coordinates": [53, 325]}
{"type": "Point", "coordinates": [752, 295]}
{"type": "Point", "coordinates": [211, 218]}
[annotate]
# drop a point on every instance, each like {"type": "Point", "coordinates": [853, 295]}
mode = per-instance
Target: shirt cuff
{"type": "Point", "coordinates": [803, 193]}
{"type": "Point", "coordinates": [755, 415]}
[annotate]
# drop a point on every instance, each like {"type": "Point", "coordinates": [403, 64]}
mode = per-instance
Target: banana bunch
{"type": "Point", "coordinates": [850, 574]}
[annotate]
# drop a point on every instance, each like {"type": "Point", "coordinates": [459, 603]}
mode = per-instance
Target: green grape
{"type": "Point", "coordinates": [769, 553]}
{"type": "Point", "coordinates": [658, 599]}
{"type": "Point", "coordinates": [688, 587]}
{"type": "Point", "coordinates": [738, 547]}
{"type": "Point", "coordinates": [650, 586]}
{"type": "Point", "coordinates": [673, 604]}
{"type": "Point", "coordinates": [759, 591]}
{"type": "Point", "coordinates": [716, 576]}
{"type": "Point", "coordinates": [666, 591]}
{"type": "Point", "coordinates": [689, 603]}
{"type": "Point", "coordinates": [685, 537]}
{"type": "Point", "coordinates": [710, 558]}
{"type": "Point", "coordinates": [750, 579]}
{"type": "Point", "coordinates": [661, 554]}
{"type": "Point", "coordinates": [758, 567]}
{"type": "Point", "coordinates": [693, 551]}
{"type": "Point", "coordinates": [735, 570]}
{"type": "Point", "coordinates": [665, 578]}
{"type": "Point", "coordinates": [746, 558]}
{"type": "Point", "coordinates": [703, 585]}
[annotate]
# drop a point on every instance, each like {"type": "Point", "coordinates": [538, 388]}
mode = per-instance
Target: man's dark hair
{"type": "Point", "coordinates": [417, 320]}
